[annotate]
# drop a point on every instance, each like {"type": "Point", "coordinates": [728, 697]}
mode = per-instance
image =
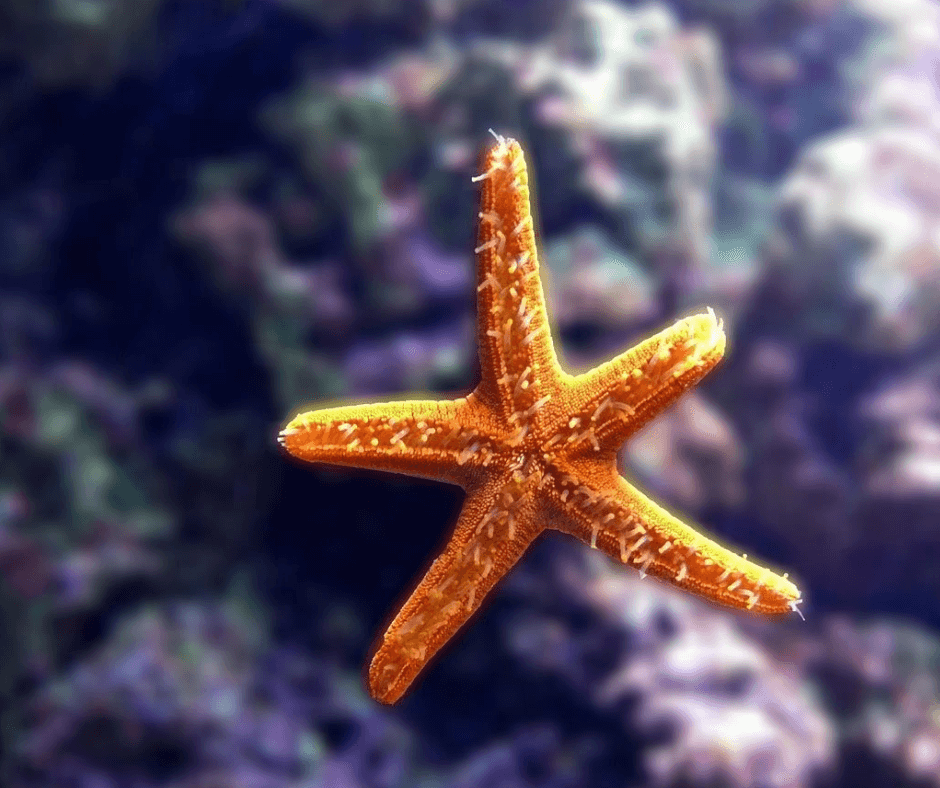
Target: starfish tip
{"type": "Point", "coordinates": [384, 691]}
{"type": "Point", "coordinates": [287, 437]}
{"type": "Point", "coordinates": [707, 329]}
{"type": "Point", "coordinates": [794, 607]}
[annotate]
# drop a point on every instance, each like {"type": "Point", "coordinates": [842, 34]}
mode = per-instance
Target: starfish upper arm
{"type": "Point", "coordinates": [517, 357]}
{"type": "Point", "coordinates": [611, 402]}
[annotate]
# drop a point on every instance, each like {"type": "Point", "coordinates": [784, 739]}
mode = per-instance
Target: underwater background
{"type": "Point", "coordinates": [213, 214]}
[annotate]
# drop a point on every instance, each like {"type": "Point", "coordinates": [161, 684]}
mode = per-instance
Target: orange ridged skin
{"type": "Point", "coordinates": [534, 447]}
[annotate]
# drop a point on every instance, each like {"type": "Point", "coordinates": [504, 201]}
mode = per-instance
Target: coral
{"type": "Point", "coordinates": [797, 70]}
{"type": "Point", "coordinates": [855, 244]}
{"type": "Point", "coordinates": [64, 435]}
{"type": "Point", "coordinates": [77, 41]}
{"type": "Point", "coordinates": [533, 755]}
{"type": "Point", "coordinates": [595, 284]}
{"type": "Point", "coordinates": [707, 702]}
{"type": "Point", "coordinates": [694, 454]}
{"type": "Point", "coordinates": [619, 106]}
{"type": "Point", "coordinates": [91, 530]}
{"type": "Point", "coordinates": [896, 479]}
{"type": "Point", "coordinates": [172, 698]}
{"type": "Point", "coordinates": [881, 682]}
{"type": "Point", "coordinates": [285, 303]}
{"type": "Point", "coordinates": [336, 14]}
{"type": "Point", "coordinates": [789, 477]}
{"type": "Point", "coordinates": [347, 143]}
{"type": "Point", "coordinates": [290, 303]}
{"type": "Point", "coordinates": [644, 97]}
{"type": "Point", "coordinates": [900, 458]}
{"type": "Point", "coordinates": [431, 360]}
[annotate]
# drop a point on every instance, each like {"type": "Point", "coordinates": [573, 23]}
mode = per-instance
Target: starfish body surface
{"type": "Point", "coordinates": [534, 447]}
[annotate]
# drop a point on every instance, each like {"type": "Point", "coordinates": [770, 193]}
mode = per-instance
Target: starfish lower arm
{"type": "Point", "coordinates": [493, 532]}
{"type": "Point", "coordinates": [634, 530]}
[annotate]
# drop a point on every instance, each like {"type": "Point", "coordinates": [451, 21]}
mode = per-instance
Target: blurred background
{"type": "Point", "coordinates": [215, 213]}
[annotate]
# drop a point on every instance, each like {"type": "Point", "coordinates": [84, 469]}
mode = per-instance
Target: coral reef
{"type": "Point", "coordinates": [174, 697]}
{"type": "Point", "coordinates": [855, 243]}
{"type": "Point", "coordinates": [76, 42]}
{"type": "Point", "coordinates": [640, 97]}
{"type": "Point", "coordinates": [709, 703]}
{"type": "Point", "coordinates": [211, 213]}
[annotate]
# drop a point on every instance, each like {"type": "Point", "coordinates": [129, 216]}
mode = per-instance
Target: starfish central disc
{"type": "Point", "coordinates": [534, 447]}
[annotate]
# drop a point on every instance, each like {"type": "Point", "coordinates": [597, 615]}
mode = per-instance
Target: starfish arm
{"type": "Point", "coordinates": [517, 359]}
{"type": "Point", "coordinates": [445, 440]}
{"type": "Point", "coordinates": [492, 533]}
{"type": "Point", "coordinates": [604, 510]}
{"type": "Point", "coordinates": [611, 402]}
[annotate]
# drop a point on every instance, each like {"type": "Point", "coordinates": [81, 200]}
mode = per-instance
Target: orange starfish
{"type": "Point", "coordinates": [534, 447]}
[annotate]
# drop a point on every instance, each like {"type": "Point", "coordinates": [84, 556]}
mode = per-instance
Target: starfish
{"type": "Point", "coordinates": [534, 447]}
